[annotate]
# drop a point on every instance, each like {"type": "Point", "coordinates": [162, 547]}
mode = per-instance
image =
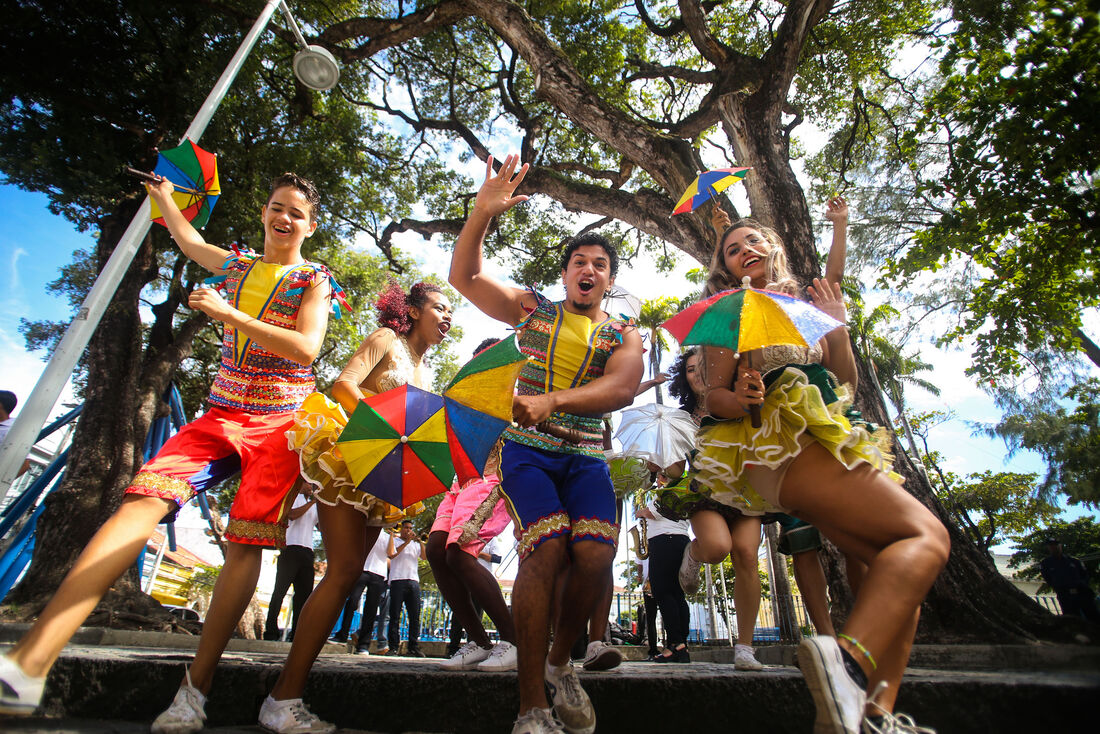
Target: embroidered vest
{"type": "Point", "coordinates": [252, 379]}
{"type": "Point", "coordinates": [563, 350]}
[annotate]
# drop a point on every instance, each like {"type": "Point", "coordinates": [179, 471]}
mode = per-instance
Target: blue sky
{"type": "Point", "coordinates": [36, 243]}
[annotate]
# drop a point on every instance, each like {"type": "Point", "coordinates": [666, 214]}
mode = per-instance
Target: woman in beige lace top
{"type": "Point", "coordinates": [351, 519]}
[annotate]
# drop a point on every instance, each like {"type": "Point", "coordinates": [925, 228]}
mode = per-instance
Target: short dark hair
{"type": "Point", "coordinates": [485, 344]}
{"type": "Point", "coordinates": [8, 400]}
{"type": "Point", "coordinates": [587, 239]}
{"type": "Point", "coordinates": [406, 522]}
{"type": "Point", "coordinates": [304, 185]}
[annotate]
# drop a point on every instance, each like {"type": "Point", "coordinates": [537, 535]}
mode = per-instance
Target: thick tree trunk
{"type": "Point", "coordinates": [121, 399]}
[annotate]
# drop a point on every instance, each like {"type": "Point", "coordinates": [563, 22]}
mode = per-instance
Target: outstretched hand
{"type": "Point", "coordinates": [161, 190]}
{"type": "Point", "coordinates": [495, 195]}
{"type": "Point", "coordinates": [836, 210]}
{"type": "Point", "coordinates": [829, 299]}
{"type": "Point", "coordinates": [719, 219]}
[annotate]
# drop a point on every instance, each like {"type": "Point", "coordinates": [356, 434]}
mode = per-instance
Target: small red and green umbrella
{"type": "Point", "coordinates": [194, 172]}
{"type": "Point", "coordinates": [478, 404]}
{"type": "Point", "coordinates": [707, 185]}
{"type": "Point", "coordinates": [395, 446]}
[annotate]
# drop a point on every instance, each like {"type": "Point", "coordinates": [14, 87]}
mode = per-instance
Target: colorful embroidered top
{"type": "Point", "coordinates": [563, 350]}
{"type": "Point", "coordinates": [252, 379]}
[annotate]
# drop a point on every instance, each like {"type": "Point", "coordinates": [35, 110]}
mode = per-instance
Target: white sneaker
{"type": "Point", "coordinates": [890, 723]}
{"type": "Point", "coordinates": [601, 656]}
{"type": "Point", "coordinates": [689, 572]}
{"type": "Point", "coordinates": [466, 657]}
{"type": "Point", "coordinates": [537, 721]}
{"type": "Point", "coordinates": [291, 717]}
{"type": "Point", "coordinates": [501, 657]}
{"type": "Point", "coordinates": [571, 703]}
{"type": "Point", "coordinates": [744, 658]}
{"type": "Point", "coordinates": [838, 699]}
{"type": "Point", "coordinates": [20, 694]}
{"type": "Point", "coordinates": [186, 714]}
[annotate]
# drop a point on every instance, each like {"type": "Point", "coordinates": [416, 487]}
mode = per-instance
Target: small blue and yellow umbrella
{"type": "Point", "coordinates": [707, 185]}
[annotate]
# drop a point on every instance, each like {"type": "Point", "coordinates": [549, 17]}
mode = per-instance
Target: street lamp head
{"type": "Point", "coordinates": [316, 68]}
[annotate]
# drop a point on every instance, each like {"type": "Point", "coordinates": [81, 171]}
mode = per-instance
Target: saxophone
{"type": "Point", "coordinates": [641, 542]}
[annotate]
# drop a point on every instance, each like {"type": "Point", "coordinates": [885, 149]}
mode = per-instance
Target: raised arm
{"type": "Point", "coordinates": [837, 212]}
{"type": "Point", "coordinates": [493, 298]}
{"type": "Point", "coordinates": [346, 390]}
{"type": "Point", "coordinates": [300, 344]}
{"type": "Point", "coordinates": [613, 390]}
{"type": "Point", "coordinates": [838, 356]}
{"type": "Point", "coordinates": [186, 237]}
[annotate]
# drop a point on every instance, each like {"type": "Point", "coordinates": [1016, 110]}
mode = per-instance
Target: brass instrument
{"type": "Point", "coordinates": [641, 542]}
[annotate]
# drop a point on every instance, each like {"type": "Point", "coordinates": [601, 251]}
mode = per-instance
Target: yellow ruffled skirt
{"type": "Point", "coordinates": [793, 406]}
{"type": "Point", "coordinates": [317, 425]}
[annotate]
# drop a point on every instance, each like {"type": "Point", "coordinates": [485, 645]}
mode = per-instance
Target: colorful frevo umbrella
{"type": "Point", "coordinates": [479, 405]}
{"type": "Point", "coordinates": [194, 172]}
{"type": "Point", "coordinates": [395, 446]}
{"type": "Point", "coordinates": [707, 185]}
{"type": "Point", "coordinates": [744, 319]}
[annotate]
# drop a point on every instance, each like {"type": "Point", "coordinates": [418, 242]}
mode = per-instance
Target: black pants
{"type": "Point", "coordinates": [407, 592]}
{"type": "Point", "coordinates": [456, 628]}
{"type": "Point", "coordinates": [665, 553]}
{"type": "Point", "coordinates": [375, 587]}
{"type": "Point", "coordinates": [350, 605]}
{"type": "Point", "coordinates": [650, 609]}
{"type": "Point", "coordinates": [294, 568]}
{"type": "Point", "coordinates": [1078, 601]}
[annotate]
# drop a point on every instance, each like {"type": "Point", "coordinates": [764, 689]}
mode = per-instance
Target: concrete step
{"type": "Point", "coordinates": [387, 694]}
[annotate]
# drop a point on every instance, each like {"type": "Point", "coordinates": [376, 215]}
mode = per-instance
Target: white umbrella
{"type": "Point", "coordinates": [661, 434]}
{"type": "Point", "coordinates": [620, 302]}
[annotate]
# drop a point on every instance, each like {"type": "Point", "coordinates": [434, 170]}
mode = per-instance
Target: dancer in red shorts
{"type": "Point", "coordinates": [274, 314]}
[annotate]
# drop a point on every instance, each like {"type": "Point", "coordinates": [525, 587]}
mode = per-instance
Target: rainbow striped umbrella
{"type": "Point", "coordinates": [194, 172]}
{"type": "Point", "coordinates": [707, 185]}
{"type": "Point", "coordinates": [744, 319]}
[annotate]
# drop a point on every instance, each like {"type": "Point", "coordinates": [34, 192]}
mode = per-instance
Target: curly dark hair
{"type": "Point", "coordinates": [678, 385]}
{"type": "Point", "coordinates": [393, 304]}
{"type": "Point", "coordinates": [592, 238]}
{"type": "Point", "coordinates": [485, 344]}
{"type": "Point", "coordinates": [304, 185]}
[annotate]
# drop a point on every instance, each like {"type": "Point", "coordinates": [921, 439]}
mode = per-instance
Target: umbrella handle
{"type": "Point", "coordinates": [155, 179]}
{"type": "Point", "coordinates": [754, 416]}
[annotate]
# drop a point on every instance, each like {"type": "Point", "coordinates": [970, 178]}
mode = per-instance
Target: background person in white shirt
{"type": "Point", "coordinates": [405, 554]}
{"type": "Point", "coordinates": [8, 401]}
{"type": "Point", "coordinates": [295, 564]}
{"type": "Point", "coordinates": [373, 582]}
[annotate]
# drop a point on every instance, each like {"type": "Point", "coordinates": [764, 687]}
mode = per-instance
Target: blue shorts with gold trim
{"type": "Point", "coordinates": [551, 494]}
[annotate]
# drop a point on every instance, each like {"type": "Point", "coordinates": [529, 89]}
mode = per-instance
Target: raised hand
{"type": "Point", "coordinates": [495, 195]}
{"type": "Point", "coordinates": [836, 210]}
{"type": "Point", "coordinates": [748, 390]}
{"type": "Point", "coordinates": [719, 219]}
{"type": "Point", "coordinates": [829, 299]}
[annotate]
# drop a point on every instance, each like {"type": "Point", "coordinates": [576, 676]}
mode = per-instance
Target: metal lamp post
{"type": "Point", "coordinates": [317, 69]}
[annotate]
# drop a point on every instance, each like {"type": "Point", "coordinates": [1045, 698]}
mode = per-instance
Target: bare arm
{"type": "Point", "coordinates": [296, 512]}
{"type": "Point", "coordinates": [728, 397]}
{"type": "Point", "coordinates": [493, 298]}
{"type": "Point", "coordinates": [838, 356]}
{"type": "Point", "coordinates": [346, 390]}
{"type": "Point", "coordinates": [187, 237]}
{"type": "Point", "coordinates": [652, 382]}
{"type": "Point", "coordinates": [300, 344]}
{"type": "Point", "coordinates": [611, 391]}
{"type": "Point", "coordinates": [837, 213]}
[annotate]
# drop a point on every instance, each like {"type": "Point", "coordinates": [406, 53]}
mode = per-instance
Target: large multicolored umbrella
{"type": "Point", "coordinates": [478, 405]}
{"type": "Point", "coordinates": [744, 319]}
{"type": "Point", "coordinates": [395, 446]}
{"type": "Point", "coordinates": [707, 185]}
{"type": "Point", "coordinates": [194, 172]}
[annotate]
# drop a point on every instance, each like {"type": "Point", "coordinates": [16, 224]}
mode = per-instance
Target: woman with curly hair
{"type": "Point", "coordinates": [350, 519]}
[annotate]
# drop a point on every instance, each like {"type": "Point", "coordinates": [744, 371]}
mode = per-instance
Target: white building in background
{"type": "Point", "coordinates": [1028, 586]}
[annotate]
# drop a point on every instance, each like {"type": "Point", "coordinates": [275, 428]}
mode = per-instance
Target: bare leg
{"type": "Point", "coordinates": [454, 590]}
{"type": "Point", "coordinates": [745, 545]}
{"type": "Point", "coordinates": [597, 623]}
{"type": "Point", "coordinates": [589, 576]}
{"type": "Point", "coordinates": [712, 537]}
{"type": "Point", "coordinates": [347, 540]}
{"type": "Point", "coordinates": [483, 587]}
{"type": "Point", "coordinates": [232, 592]}
{"type": "Point", "coordinates": [112, 550]}
{"type": "Point", "coordinates": [810, 578]}
{"type": "Point", "coordinates": [532, 598]}
{"type": "Point", "coordinates": [872, 518]}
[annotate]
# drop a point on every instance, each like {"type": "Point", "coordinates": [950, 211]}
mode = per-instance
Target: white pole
{"type": "Point", "coordinates": [36, 410]}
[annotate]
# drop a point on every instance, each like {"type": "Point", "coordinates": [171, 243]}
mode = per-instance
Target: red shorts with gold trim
{"type": "Point", "coordinates": [213, 448]}
{"type": "Point", "coordinates": [551, 494]}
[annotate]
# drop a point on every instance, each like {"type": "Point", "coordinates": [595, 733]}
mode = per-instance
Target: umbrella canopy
{"type": "Point", "coordinates": [662, 434]}
{"type": "Point", "coordinates": [478, 405]}
{"type": "Point", "coordinates": [743, 319]}
{"type": "Point", "coordinates": [707, 185]}
{"type": "Point", "coordinates": [194, 172]}
{"type": "Point", "coordinates": [395, 446]}
{"type": "Point", "coordinates": [622, 304]}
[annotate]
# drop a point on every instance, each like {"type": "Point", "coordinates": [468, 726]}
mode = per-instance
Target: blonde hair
{"type": "Point", "coordinates": [776, 269]}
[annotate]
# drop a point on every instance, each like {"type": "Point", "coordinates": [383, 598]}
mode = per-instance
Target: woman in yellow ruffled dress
{"type": "Point", "coordinates": [810, 461]}
{"type": "Point", "coordinates": [350, 519]}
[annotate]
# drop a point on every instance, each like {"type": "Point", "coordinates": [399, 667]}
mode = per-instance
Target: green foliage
{"type": "Point", "coordinates": [200, 585]}
{"type": "Point", "coordinates": [1067, 438]}
{"type": "Point", "coordinates": [1080, 538]}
